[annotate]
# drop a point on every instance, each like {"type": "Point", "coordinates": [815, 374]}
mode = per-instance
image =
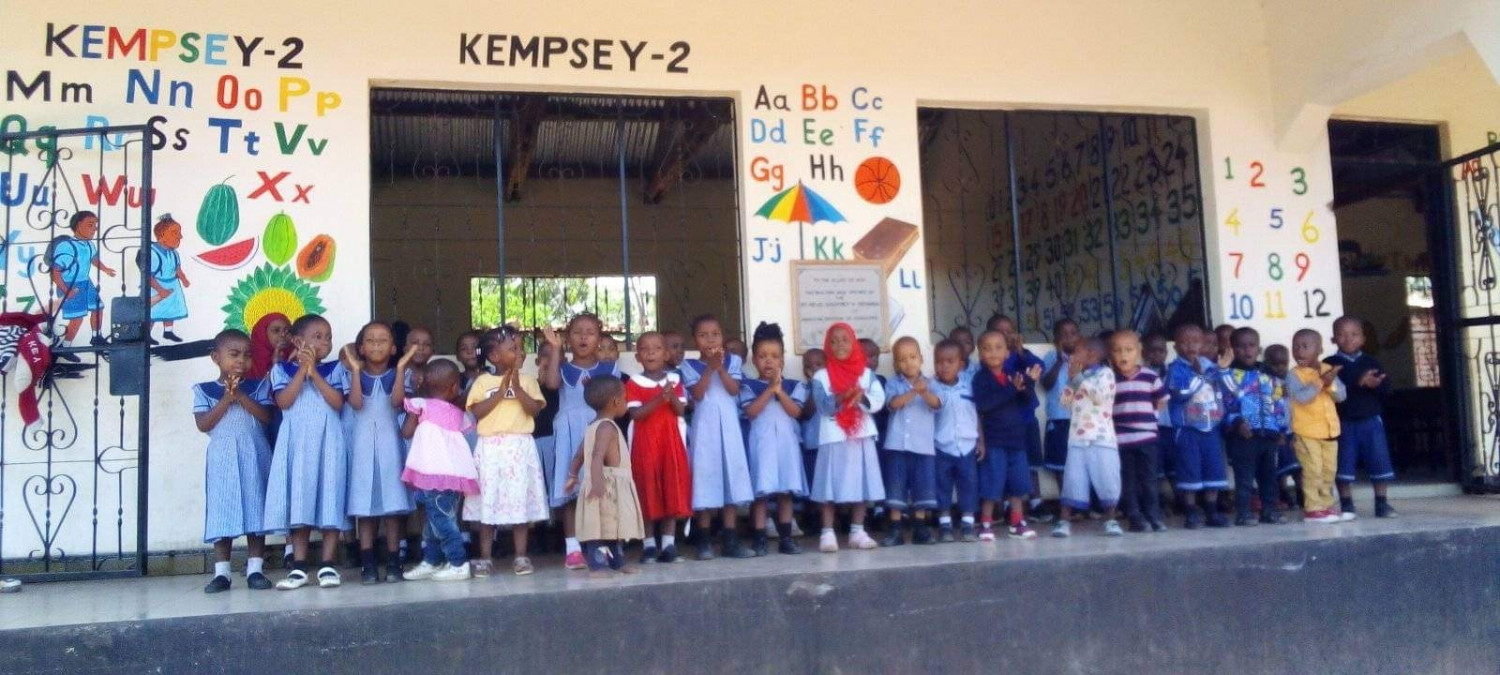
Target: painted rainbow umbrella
{"type": "Point", "coordinates": [800, 205]}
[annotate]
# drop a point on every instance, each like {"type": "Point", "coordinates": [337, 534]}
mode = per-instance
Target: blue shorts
{"type": "Point", "coordinates": [86, 300]}
{"type": "Point", "coordinates": [1200, 460]}
{"type": "Point", "coordinates": [1034, 455]}
{"type": "Point", "coordinates": [1055, 454]}
{"type": "Point", "coordinates": [1003, 473]}
{"type": "Point", "coordinates": [910, 480]}
{"type": "Point", "coordinates": [1363, 444]}
{"type": "Point", "coordinates": [1166, 451]}
{"type": "Point", "coordinates": [1286, 458]}
{"type": "Point", "coordinates": [961, 475]}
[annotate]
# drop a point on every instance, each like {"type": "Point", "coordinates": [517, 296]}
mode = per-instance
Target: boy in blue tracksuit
{"type": "Point", "coordinates": [1196, 388]}
{"type": "Point", "coordinates": [1022, 360]}
{"type": "Point", "coordinates": [1253, 430]}
{"type": "Point", "coordinates": [1363, 441]}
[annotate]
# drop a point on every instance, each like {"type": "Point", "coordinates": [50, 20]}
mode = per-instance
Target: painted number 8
{"type": "Point", "coordinates": [1276, 272]}
{"type": "Point", "coordinates": [1310, 233]}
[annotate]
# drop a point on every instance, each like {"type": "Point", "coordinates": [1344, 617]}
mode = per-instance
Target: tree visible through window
{"type": "Point", "coordinates": [531, 301]}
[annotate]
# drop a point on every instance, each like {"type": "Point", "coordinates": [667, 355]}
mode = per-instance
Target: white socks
{"type": "Point", "coordinates": [668, 540]}
{"type": "Point", "coordinates": [221, 569]}
{"type": "Point", "coordinates": [254, 565]}
{"type": "Point", "coordinates": [968, 519]}
{"type": "Point", "coordinates": [856, 529]}
{"type": "Point", "coordinates": [571, 544]}
{"type": "Point", "coordinates": [945, 521]}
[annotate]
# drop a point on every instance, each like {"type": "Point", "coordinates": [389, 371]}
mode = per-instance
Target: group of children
{"type": "Point", "coordinates": [362, 442]}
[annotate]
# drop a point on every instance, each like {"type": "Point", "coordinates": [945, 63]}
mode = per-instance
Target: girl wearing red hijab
{"type": "Point", "coordinates": [848, 468]}
{"type": "Point", "coordinates": [268, 344]}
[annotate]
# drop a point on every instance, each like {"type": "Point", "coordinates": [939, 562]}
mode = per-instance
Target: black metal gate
{"type": "Point", "coordinates": [73, 338]}
{"type": "Point", "coordinates": [1474, 312]}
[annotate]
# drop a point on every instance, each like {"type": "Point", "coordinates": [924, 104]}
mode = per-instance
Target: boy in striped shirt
{"type": "Point", "coordinates": [1139, 394]}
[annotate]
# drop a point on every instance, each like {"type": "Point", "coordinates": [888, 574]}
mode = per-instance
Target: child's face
{"type": "Point", "coordinates": [812, 362]}
{"type": "Point", "coordinates": [609, 350]}
{"type": "Point", "coordinates": [992, 350]}
{"type": "Point", "coordinates": [770, 359]}
{"type": "Point", "coordinates": [1155, 351]}
{"type": "Point", "coordinates": [1307, 349]}
{"type": "Point", "coordinates": [1007, 328]}
{"type": "Point", "coordinates": [908, 357]}
{"type": "Point", "coordinates": [675, 348]}
{"type": "Point", "coordinates": [1189, 342]}
{"type": "Point", "coordinates": [1349, 336]}
{"type": "Point", "coordinates": [171, 237]}
{"type": "Point", "coordinates": [1089, 354]}
{"type": "Point", "coordinates": [377, 345]}
{"type": "Point", "coordinates": [1125, 353]}
{"type": "Point", "coordinates": [319, 336]}
{"type": "Point", "coordinates": [1246, 349]}
{"type": "Point", "coordinates": [872, 354]}
{"type": "Point", "coordinates": [506, 354]}
{"type": "Point", "coordinates": [709, 336]}
{"type": "Point", "coordinates": [965, 340]}
{"type": "Point", "coordinates": [583, 339]}
{"type": "Point", "coordinates": [948, 361]}
{"type": "Point", "coordinates": [841, 343]}
{"type": "Point", "coordinates": [651, 352]}
{"type": "Point", "coordinates": [468, 352]}
{"type": "Point", "coordinates": [87, 227]}
{"type": "Point", "coordinates": [1066, 337]}
{"type": "Point", "coordinates": [232, 357]}
{"type": "Point", "coordinates": [1277, 360]}
{"type": "Point", "coordinates": [423, 341]}
{"type": "Point", "coordinates": [279, 332]}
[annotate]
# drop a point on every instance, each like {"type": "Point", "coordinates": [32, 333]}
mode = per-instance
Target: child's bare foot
{"type": "Point", "coordinates": [630, 569]}
{"type": "Point", "coordinates": [600, 575]}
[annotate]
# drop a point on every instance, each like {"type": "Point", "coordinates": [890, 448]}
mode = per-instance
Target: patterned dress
{"type": "Point", "coordinates": [310, 466]}
{"type": "Point", "coordinates": [237, 463]}
{"type": "Point", "coordinates": [721, 472]}
{"type": "Point", "coordinates": [377, 453]}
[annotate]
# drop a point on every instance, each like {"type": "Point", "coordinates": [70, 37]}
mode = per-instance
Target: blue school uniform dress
{"type": "Point", "coordinates": [1362, 443]}
{"type": "Point", "coordinates": [911, 465]}
{"type": "Point", "coordinates": [310, 466]}
{"type": "Point", "coordinates": [165, 264]}
{"type": "Point", "coordinates": [775, 450]}
{"type": "Point", "coordinates": [956, 434]}
{"type": "Point", "coordinates": [848, 468]}
{"type": "Point", "coordinates": [1003, 409]}
{"type": "Point", "coordinates": [1196, 403]}
{"type": "Point", "coordinates": [1020, 362]}
{"type": "Point", "coordinates": [237, 462]}
{"type": "Point", "coordinates": [377, 453]}
{"type": "Point", "coordinates": [573, 416]}
{"type": "Point", "coordinates": [72, 258]}
{"type": "Point", "coordinates": [716, 448]}
{"type": "Point", "coordinates": [1059, 416]}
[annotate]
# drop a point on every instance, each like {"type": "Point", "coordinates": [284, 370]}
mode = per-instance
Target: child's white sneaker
{"type": "Point", "coordinates": [424, 571]}
{"type": "Point", "coordinates": [1112, 528]}
{"type": "Point", "coordinates": [796, 529]}
{"type": "Point", "coordinates": [862, 541]}
{"type": "Point", "coordinates": [450, 573]}
{"type": "Point", "coordinates": [1063, 529]}
{"type": "Point", "coordinates": [828, 543]}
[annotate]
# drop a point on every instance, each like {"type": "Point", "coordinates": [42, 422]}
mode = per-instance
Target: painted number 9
{"type": "Point", "coordinates": [1310, 233]}
{"type": "Point", "coordinates": [1303, 263]}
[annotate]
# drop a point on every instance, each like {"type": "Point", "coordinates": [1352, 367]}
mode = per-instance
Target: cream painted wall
{"type": "Point", "coordinates": [1208, 61]}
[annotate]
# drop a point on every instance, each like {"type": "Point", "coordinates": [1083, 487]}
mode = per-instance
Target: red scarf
{"type": "Point", "coordinates": [843, 375]}
{"type": "Point", "coordinates": [30, 363]}
{"type": "Point", "coordinates": [264, 355]}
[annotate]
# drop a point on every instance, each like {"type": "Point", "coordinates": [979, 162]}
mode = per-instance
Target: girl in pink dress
{"type": "Point", "coordinates": [440, 469]}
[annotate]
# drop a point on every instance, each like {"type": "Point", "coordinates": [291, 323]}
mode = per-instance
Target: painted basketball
{"type": "Point", "coordinates": [877, 180]}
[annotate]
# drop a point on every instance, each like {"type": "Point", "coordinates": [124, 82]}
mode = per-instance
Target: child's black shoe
{"type": "Point", "coordinates": [966, 533]}
{"type": "Point", "coordinates": [1158, 526]}
{"type": "Point", "coordinates": [895, 537]}
{"type": "Point", "coordinates": [733, 548]}
{"type": "Point", "coordinates": [1193, 520]}
{"type": "Point", "coordinates": [1136, 524]}
{"type": "Point", "coordinates": [258, 582]}
{"type": "Point", "coordinates": [945, 534]}
{"type": "Point", "coordinates": [762, 546]}
{"type": "Point", "coordinates": [788, 546]}
{"type": "Point", "coordinates": [704, 545]}
{"type": "Point", "coordinates": [1216, 520]}
{"type": "Point", "coordinates": [1384, 510]}
{"type": "Point", "coordinates": [217, 585]}
{"type": "Point", "coordinates": [922, 535]}
{"type": "Point", "coordinates": [393, 571]}
{"type": "Point", "coordinates": [1245, 520]}
{"type": "Point", "coordinates": [649, 555]}
{"type": "Point", "coordinates": [368, 575]}
{"type": "Point", "coordinates": [668, 555]}
{"type": "Point", "coordinates": [1271, 517]}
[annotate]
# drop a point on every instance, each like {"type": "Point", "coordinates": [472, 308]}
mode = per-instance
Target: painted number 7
{"type": "Point", "coordinates": [1239, 259]}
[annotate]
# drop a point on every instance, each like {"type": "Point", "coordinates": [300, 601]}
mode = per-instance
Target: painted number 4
{"type": "Point", "coordinates": [1233, 221]}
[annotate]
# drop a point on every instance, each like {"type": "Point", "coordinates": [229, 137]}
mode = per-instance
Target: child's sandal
{"type": "Point", "coordinates": [522, 566]}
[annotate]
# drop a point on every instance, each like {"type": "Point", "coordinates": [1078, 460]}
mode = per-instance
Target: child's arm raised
{"type": "Point", "coordinates": [349, 357]}
{"type": "Point", "coordinates": [398, 393]}
{"type": "Point", "coordinates": [208, 419]}
{"type": "Point", "coordinates": [552, 376]}
{"type": "Point", "coordinates": [289, 393]}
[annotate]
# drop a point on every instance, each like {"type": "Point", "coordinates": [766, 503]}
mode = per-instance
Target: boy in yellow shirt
{"type": "Point", "coordinates": [1313, 388]}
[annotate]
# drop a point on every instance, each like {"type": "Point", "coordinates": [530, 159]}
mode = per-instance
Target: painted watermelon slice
{"type": "Point", "coordinates": [230, 256]}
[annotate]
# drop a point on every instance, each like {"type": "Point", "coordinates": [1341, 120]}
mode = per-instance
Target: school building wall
{"type": "Point", "coordinates": [813, 83]}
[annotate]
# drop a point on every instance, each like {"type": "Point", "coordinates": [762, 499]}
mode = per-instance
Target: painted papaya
{"type": "Point", "coordinates": [219, 214]}
{"type": "Point", "coordinates": [280, 239]}
{"type": "Point", "coordinates": [315, 262]}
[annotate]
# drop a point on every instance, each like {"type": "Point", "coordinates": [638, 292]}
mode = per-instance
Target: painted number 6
{"type": "Point", "coordinates": [1310, 233]}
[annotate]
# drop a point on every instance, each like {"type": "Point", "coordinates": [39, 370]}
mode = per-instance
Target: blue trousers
{"type": "Point", "coordinates": [910, 480]}
{"type": "Point", "coordinates": [441, 538]}
{"type": "Point", "coordinates": [959, 474]}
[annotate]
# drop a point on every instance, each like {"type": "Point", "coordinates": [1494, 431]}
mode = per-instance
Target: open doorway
{"type": "Point", "coordinates": [529, 208]}
{"type": "Point", "coordinates": [1393, 219]}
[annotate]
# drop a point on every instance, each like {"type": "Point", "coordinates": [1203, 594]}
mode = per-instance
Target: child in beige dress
{"type": "Point", "coordinates": [608, 513]}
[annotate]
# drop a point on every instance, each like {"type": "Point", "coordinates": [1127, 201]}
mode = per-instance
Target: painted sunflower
{"type": "Point", "coordinates": [269, 289]}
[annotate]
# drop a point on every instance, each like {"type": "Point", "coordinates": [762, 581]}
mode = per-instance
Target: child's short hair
{"type": "Point", "coordinates": [1095, 345]}
{"type": "Point", "coordinates": [766, 332]}
{"type": "Point", "coordinates": [229, 335]}
{"type": "Point", "coordinates": [700, 320]}
{"type": "Point", "coordinates": [906, 340]}
{"type": "Point", "coordinates": [1057, 325]}
{"type": "Point", "coordinates": [1119, 336]}
{"type": "Point", "coordinates": [1278, 349]}
{"type": "Point", "coordinates": [438, 372]}
{"type": "Point", "coordinates": [1242, 332]}
{"type": "Point", "coordinates": [1347, 318]}
{"type": "Point", "coordinates": [994, 322]}
{"type": "Point", "coordinates": [1183, 329]}
{"type": "Point", "coordinates": [948, 343]}
{"type": "Point", "coordinates": [601, 390]}
{"type": "Point", "coordinates": [306, 321]}
{"type": "Point", "coordinates": [1307, 332]}
{"type": "Point", "coordinates": [497, 336]}
{"type": "Point", "coordinates": [992, 333]}
{"type": "Point", "coordinates": [964, 330]}
{"type": "Point", "coordinates": [78, 218]}
{"type": "Point", "coordinates": [467, 334]}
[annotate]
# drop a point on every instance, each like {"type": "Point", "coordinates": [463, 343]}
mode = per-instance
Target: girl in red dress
{"type": "Point", "coordinates": [658, 456]}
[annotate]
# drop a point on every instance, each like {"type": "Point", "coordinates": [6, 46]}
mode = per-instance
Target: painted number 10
{"type": "Point", "coordinates": [1241, 307]}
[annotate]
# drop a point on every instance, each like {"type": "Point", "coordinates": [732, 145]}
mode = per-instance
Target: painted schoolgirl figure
{"type": "Point", "coordinates": [308, 486]}
{"type": "Point", "coordinates": [377, 453]}
{"type": "Point", "coordinates": [232, 411]}
{"type": "Point", "coordinates": [71, 258]}
{"type": "Point", "coordinates": [773, 404]}
{"type": "Point", "coordinates": [721, 471]}
{"type": "Point", "coordinates": [167, 278]}
{"type": "Point", "coordinates": [573, 413]}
